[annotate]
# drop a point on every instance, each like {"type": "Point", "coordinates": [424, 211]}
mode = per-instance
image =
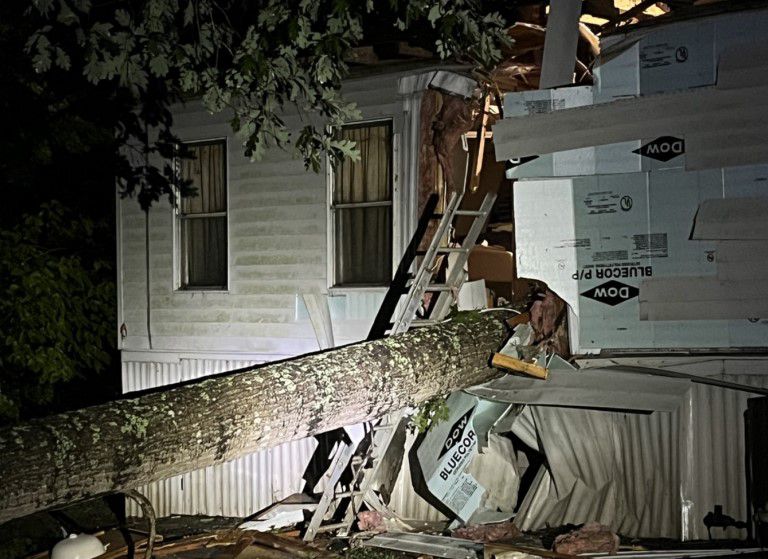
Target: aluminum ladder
{"type": "Point", "coordinates": [365, 466]}
{"type": "Point", "coordinates": [406, 317]}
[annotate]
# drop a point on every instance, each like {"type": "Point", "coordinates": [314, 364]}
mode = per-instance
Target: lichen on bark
{"type": "Point", "coordinates": [134, 441]}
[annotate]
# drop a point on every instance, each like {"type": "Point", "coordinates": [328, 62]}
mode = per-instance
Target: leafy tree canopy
{"type": "Point", "coordinates": [56, 309]}
{"type": "Point", "coordinates": [253, 59]}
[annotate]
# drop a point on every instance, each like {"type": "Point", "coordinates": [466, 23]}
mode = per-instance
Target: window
{"type": "Point", "coordinates": [202, 218]}
{"type": "Point", "coordinates": [361, 208]}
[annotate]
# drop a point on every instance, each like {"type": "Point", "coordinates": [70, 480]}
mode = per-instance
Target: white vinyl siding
{"type": "Point", "coordinates": [278, 247]}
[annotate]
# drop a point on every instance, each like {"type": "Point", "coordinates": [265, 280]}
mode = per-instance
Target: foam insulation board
{"type": "Point", "coordinates": [594, 241]}
{"type": "Point", "coordinates": [675, 56]}
{"type": "Point", "coordinates": [732, 218]}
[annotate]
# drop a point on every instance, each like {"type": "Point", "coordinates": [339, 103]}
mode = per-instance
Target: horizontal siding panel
{"type": "Point", "coordinates": [282, 169]}
{"type": "Point", "coordinates": [277, 258]}
{"type": "Point", "coordinates": [185, 300]}
{"type": "Point", "coordinates": [284, 213]}
{"type": "Point", "coordinates": [276, 347]}
{"type": "Point", "coordinates": [249, 178]}
{"type": "Point", "coordinates": [218, 329]}
{"type": "Point", "coordinates": [267, 200]}
{"type": "Point", "coordinates": [271, 272]}
{"type": "Point", "coordinates": [382, 111]}
{"type": "Point", "coordinates": [248, 228]}
{"type": "Point", "coordinates": [254, 211]}
{"type": "Point", "coordinates": [278, 287]}
{"type": "Point", "coordinates": [234, 316]}
{"type": "Point", "coordinates": [273, 242]}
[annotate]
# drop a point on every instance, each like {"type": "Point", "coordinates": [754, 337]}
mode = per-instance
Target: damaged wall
{"type": "Point", "coordinates": [618, 469]}
{"type": "Point", "coordinates": [646, 475]}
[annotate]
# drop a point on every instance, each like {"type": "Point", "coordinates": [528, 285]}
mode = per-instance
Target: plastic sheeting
{"type": "Point", "coordinates": [712, 468]}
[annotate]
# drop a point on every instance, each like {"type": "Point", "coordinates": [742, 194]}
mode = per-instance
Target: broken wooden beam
{"type": "Point", "coordinates": [522, 318]}
{"type": "Point", "coordinates": [513, 364]}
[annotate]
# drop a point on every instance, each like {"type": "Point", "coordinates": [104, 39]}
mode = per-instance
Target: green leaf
{"type": "Point", "coordinates": [434, 14]}
{"type": "Point", "coordinates": [158, 65]}
{"type": "Point", "coordinates": [123, 18]}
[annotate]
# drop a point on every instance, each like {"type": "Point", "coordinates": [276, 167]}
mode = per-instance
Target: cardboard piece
{"type": "Point", "coordinates": [571, 162]}
{"type": "Point", "coordinates": [496, 266]}
{"type": "Point", "coordinates": [710, 299]}
{"type": "Point", "coordinates": [737, 114]}
{"type": "Point", "coordinates": [491, 263]}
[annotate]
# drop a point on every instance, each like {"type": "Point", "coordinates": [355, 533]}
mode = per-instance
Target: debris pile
{"type": "Point", "coordinates": [488, 532]}
{"type": "Point", "coordinates": [593, 537]}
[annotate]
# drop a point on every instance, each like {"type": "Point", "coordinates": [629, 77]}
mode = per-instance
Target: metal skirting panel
{"type": "Point", "coordinates": [675, 467]}
{"type": "Point", "coordinates": [669, 471]}
{"type": "Point", "coordinates": [715, 472]}
{"type": "Point", "coordinates": [614, 468]}
{"type": "Point", "coordinates": [238, 488]}
{"type": "Point", "coordinates": [404, 501]}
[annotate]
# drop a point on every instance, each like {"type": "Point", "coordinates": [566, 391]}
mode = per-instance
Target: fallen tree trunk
{"type": "Point", "coordinates": [134, 441]}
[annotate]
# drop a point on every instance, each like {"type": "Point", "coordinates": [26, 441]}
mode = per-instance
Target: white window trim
{"type": "Point", "coordinates": [177, 286]}
{"type": "Point", "coordinates": [333, 288]}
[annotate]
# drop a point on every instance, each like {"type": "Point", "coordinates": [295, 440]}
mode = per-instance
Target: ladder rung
{"type": "Point", "coordinates": [438, 287]}
{"type": "Point", "coordinates": [425, 322]}
{"type": "Point", "coordinates": [472, 213]}
{"type": "Point", "coordinates": [331, 527]}
{"type": "Point", "coordinates": [387, 427]}
{"type": "Point", "coordinates": [443, 250]}
{"type": "Point", "coordinates": [343, 494]}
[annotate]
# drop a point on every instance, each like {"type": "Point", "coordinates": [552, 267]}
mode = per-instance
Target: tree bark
{"type": "Point", "coordinates": [130, 442]}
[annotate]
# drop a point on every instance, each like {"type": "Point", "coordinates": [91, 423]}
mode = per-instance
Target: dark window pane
{"type": "Point", "coordinates": [207, 171]}
{"type": "Point", "coordinates": [370, 178]}
{"type": "Point", "coordinates": [363, 246]}
{"type": "Point", "coordinates": [204, 252]}
{"type": "Point", "coordinates": [203, 240]}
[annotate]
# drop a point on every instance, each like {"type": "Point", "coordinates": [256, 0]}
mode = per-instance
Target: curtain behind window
{"type": "Point", "coordinates": [363, 235]}
{"type": "Point", "coordinates": [203, 218]}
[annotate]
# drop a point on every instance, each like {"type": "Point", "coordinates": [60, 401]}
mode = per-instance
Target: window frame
{"type": "Point", "coordinates": [178, 218]}
{"type": "Point", "coordinates": [333, 285]}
